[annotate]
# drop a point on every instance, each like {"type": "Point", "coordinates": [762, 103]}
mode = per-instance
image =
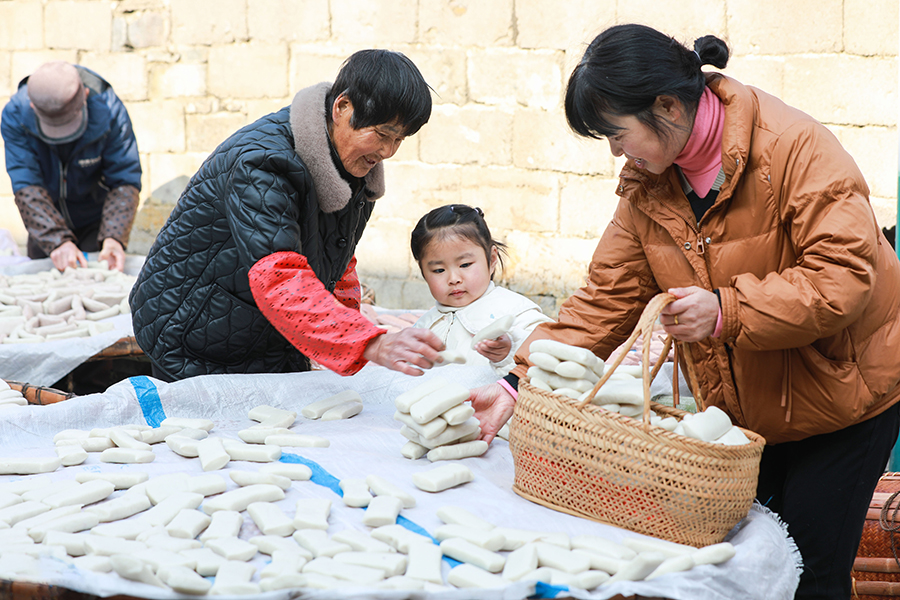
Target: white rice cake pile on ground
{"type": "Point", "coordinates": [340, 406]}
{"type": "Point", "coordinates": [176, 530]}
{"type": "Point", "coordinates": [438, 423]}
{"type": "Point", "coordinates": [10, 397]}
{"type": "Point", "coordinates": [272, 431]}
{"type": "Point", "coordinates": [52, 305]}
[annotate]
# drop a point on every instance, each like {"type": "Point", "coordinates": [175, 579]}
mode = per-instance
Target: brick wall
{"type": "Point", "coordinates": [193, 71]}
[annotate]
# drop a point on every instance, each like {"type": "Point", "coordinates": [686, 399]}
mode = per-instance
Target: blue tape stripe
{"type": "Point", "coordinates": [148, 397]}
{"type": "Point", "coordinates": [319, 475]}
{"type": "Point", "coordinates": [415, 528]}
{"type": "Point", "coordinates": [322, 477]}
{"type": "Point", "coordinates": [545, 590]}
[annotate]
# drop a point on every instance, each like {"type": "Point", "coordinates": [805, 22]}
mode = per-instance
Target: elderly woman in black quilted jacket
{"type": "Point", "coordinates": [254, 272]}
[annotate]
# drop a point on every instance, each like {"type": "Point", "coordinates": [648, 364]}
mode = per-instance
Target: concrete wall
{"type": "Point", "coordinates": [193, 71]}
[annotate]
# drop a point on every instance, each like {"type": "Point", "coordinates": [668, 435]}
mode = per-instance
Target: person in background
{"type": "Point", "coordinates": [255, 269]}
{"type": "Point", "coordinates": [788, 295]}
{"type": "Point", "coordinates": [73, 160]}
{"type": "Point", "coordinates": [457, 257]}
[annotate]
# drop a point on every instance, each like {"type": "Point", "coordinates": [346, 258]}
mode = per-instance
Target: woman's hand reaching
{"type": "Point", "coordinates": [409, 351]}
{"type": "Point", "coordinates": [493, 407]}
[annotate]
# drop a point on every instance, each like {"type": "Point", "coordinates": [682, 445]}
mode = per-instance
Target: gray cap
{"type": "Point", "coordinates": [59, 102]}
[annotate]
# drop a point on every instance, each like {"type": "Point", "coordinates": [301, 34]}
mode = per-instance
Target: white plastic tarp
{"type": "Point", "coordinates": [45, 363]}
{"type": "Point", "coordinates": [765, 565]}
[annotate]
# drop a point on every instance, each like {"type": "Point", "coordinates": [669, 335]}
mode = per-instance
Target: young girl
{"type": "Point", "coordinates": [457, 257]}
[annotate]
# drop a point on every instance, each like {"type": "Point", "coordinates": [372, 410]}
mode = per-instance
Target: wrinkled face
{"type": "Point", "coordinates": [456, 270]}
{"type": "Point", "coordinates": [361, 149]}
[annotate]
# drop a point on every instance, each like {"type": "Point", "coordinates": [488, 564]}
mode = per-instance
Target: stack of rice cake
{"type": "Point", "coordinates": [438, 423]}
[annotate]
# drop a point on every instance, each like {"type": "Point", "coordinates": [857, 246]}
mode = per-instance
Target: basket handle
{"type": "Point", "coordinates": [692, 376]}
{"type": "Point", "coordinates": [675, 353]}
{"type": "Point", "coordinates": [667, 345]}
{"type": "Point", "coordinates": [643, 328]}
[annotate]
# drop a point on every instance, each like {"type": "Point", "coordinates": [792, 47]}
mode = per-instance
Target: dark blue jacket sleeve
{"type": "Point", "coordinates": [121, 161]}
{"type": "Point", "coordinates": [21, 161]}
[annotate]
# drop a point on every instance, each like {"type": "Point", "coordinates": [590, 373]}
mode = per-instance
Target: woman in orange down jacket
{"type": "Point", "coordinates": [752, 214]}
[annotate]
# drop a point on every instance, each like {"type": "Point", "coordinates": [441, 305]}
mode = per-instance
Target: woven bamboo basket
{"type": "Point", "coordinates": [581, 459]}
{"type": "Point", "coordinates": [876, 570]}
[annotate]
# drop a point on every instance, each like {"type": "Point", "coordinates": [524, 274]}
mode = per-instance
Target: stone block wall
{"type": "Point", "coordinates": [193, 71]}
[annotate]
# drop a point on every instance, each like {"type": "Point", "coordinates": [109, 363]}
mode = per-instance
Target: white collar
{"type": "Point", "coordinates": [451, 309]}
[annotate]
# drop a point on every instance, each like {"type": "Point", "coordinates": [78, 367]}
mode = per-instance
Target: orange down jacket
{"type": "Point", "coordinates": [809, 287]}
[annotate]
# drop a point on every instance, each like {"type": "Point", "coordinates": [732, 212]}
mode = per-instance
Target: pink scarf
{"type": "Point", "coordinates": [701, 158]}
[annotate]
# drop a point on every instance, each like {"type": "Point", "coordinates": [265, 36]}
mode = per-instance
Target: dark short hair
{"type": "Point", "coordinates": [626, 68]}
{"type": "Point", "coordinates": [454, 220]}
{"type": "Point", "coordinates": [383, 86]}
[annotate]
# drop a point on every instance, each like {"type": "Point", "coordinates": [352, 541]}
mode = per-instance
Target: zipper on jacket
{"type": "Point", "coordinates": [63, 192]}
{"type": "Point", "coordinates": [64, 172]}
{"type": "Point", "coordinates": [449, 327]}
{"type": "Point", "coordinates": [700, 247]}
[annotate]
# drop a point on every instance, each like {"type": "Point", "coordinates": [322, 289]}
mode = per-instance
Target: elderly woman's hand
{"type": "Point", "coordinates": [493, 407]}
{"type": "Point", "coordinates": [408, 351]}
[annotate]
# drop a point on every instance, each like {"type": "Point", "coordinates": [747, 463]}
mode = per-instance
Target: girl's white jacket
{"type": "Point", "coordinates": [457, 326]}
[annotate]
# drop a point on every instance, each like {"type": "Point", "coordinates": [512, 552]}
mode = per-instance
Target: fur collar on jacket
{"type": "Point", "coordinates": [312, 146]}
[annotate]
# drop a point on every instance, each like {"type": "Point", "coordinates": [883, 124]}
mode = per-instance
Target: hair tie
{"type": "Point", "coordinates": [480, 212]}
{"type": "Point", "coordinates": [698, 55]}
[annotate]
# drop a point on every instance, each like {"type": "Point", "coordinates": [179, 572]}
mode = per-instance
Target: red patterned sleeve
{"type": "Point", "coordinates": [348, 291]}
{"type": "Point", "coordinates": [297, 304]}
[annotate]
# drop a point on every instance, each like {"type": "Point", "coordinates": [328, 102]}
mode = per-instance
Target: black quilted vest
{"type": "Point", "coordinates": [192, 309]}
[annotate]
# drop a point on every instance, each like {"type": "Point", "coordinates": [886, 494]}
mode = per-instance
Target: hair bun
{"type": "Point", "coordinates": [711, 51]}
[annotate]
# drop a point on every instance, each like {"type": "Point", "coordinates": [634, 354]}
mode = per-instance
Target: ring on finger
{"type": "Point", "coordinates": [676, 319]}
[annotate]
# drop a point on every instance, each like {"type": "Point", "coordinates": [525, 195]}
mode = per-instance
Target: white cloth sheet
{"type": "Point", "coordinates": [765, 566]}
